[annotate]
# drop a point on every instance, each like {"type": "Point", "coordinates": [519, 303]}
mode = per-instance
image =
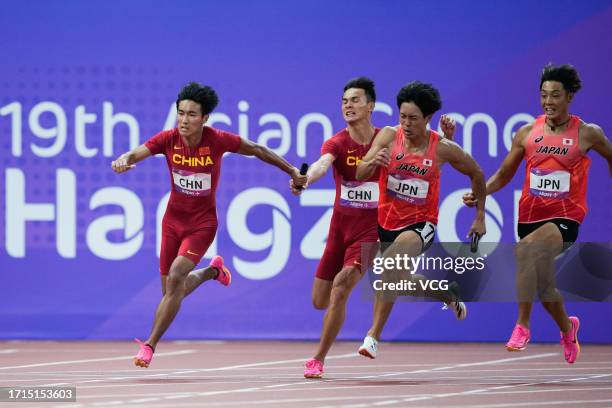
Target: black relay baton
{"type": "Point", "coordinates": [303, 170]}
{"type": "Point", "coordinates": [474, 244]}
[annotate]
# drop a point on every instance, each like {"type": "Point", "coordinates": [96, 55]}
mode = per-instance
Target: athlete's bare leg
{"type": "Point", "coordinates": [321, 292]}
{"type": "Point", "coordinates": [343, 284]}
{"type": "Point", "coordinates": [198, 277]}
{"type": "Point", "coordinates": [382, 310]}
{"type": "Point", "coordinates": [170, 304]}
{"type": "Point", "coordinates": [408, 242]}
{"type": "Point", "coordinates": [524, 313]}
{"type": "Point", "coordinates": [194, 279]}
{"type": "Point", "coordinates": [535, 255]}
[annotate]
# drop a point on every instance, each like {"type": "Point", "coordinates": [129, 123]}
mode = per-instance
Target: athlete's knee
{"type": "Point", "coordinates": [343, 285]}
{"type": "Point", "coordinates": [320, 303]}
{"type": "Point", "coordinates": [321, 290]}
{"type": "Point", "coordinates": [524, 247]}
{"type": "Point", "coordinates": [527, 251]}
{"type": "Point", "coordinates": [340, 294]}
{"type": "Point", "coordinates": [175, 281]}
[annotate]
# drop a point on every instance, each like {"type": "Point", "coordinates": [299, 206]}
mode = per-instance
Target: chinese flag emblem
{"type": "Point", "coordinates": [204, 150]}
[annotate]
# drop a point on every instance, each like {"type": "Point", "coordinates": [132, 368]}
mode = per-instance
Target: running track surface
{"type": "Point", "coordinates": [269, 374]}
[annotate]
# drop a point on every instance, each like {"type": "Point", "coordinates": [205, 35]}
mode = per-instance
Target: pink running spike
{"type": "Point", "coordinates": [224, 276]}
{"type": "Point", "coordinates": [519, 339]}
{"type": "Point", "coordinates": [313, 369]}
{"type": "Point", "coordinates": [569, 341]}
{"type": "Point", "coordinates": [144, 356]}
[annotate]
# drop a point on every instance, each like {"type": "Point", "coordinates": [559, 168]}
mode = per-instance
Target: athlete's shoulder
{"type": "Point", "coordinates": [447, 149]}
{"type": "Point", "coordinates": [526, 128]}
{"type": "Point", "coordinates": [590, 128]}
{"type": "Point", "coordinates": [388, 129]}
{"type": "Point", "coordinates": [387, 134]}
{"type": "Point", "coordinates": [340, 135]}
{"type": "Point", "coordinates": [209, 130]}
{"type": "Point", "coordinates": [219, 135]}
{"type": "Point", "coordinates": [444, 143]}
{"type": "Point", "coordinates": [168, 133]}
{"type": "Point", "coordinates": [334, 143]}
{"type": "Point", "coordinates": [164, 135]}
{"type": "Point", "coordinates": [522, 133]}
{"type": "Point", "coordinates": [592, 133]}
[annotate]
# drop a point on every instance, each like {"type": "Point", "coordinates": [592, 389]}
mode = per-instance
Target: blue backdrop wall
{"type": "Point", "coordinates": [82, 82]}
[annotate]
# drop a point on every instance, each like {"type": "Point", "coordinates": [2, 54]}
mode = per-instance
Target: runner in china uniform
{"type": "Point", "coordinates": [553, 201]}
{"type": "Point", "coordinates": [193, 154]}
{"type": "Point", "coordinates": [354, 216]}
{"type": "Point", "coordinates": [410, 157]}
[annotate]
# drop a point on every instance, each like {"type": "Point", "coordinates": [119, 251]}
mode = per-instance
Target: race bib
{"type": "Point", "coordinates": [549, 184]}
{"type": "Point", "coordinates": [412, 190]}
{"type": "Point", "coordinates": [357, 194]}
{"type": "Point", "coordinates": [193, 184]}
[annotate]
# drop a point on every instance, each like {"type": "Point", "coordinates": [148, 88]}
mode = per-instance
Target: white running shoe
{"type": "Point", "coordinates": [369, 348]}
{"type": "Point", "coordinates": [459, 308]}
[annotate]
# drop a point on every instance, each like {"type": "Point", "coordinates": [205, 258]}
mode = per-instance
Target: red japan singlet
{"type": "Point", "coordinates": [556, 175]}
{"type": "Point", "coordinates": [410, 186]}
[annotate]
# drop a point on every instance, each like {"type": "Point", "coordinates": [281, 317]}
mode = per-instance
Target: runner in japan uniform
{"type": "Point", "coordinates": [355, 207]}
{"type": "Point", "coordinates": [409, 193]}
{"type": "Point", "coordinates": [190, 221]}
{"type": "Point", "coordinates": [555, 182]}
{"type": "Point", "coordinates": [410, 157]}
{"type": "Point", "coordinates": [553, 201]}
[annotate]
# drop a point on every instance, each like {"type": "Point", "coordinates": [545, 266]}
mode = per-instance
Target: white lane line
{"type": "Point", "coordinates": [531, 369]}
{"type": "Point", "coordinates": [277, 386]}
{"type": "Point", "coordinates": [455, 366]}
{"type": "Point", "coordinates": [533, 404]}
{"type": "Point", "coordinates": [287, 401]}
{"type": "Point", "coordinates": [172, 373]}
{"type": "Point", "coordinates": [95, 360]}
{"type": "Point", "coordinates": [266, 363]}
{"type": "Point", "coordinates": [242, 390]}
{"type": "Point", "coordinates": [271, 403]}
{"type": "Point", "coordinates": [290, 374]}
{"type": "Point", "coordinates": [591, 365]}
{"type": "Point", "coordinates": [9, 351]}
{"type": "Point", "coordinates": [485, 392]}
{"type": "Point", "coordinates": [586, 389]}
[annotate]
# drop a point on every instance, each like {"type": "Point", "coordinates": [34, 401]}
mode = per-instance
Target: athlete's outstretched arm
{"type": "Point", "coordinates": [449, 151]}
{"type": "Point", "coordinates": [508, 168]}
{"type": "Point", "coordinates": [378, 155]}
{"type": "Point", "coordinates": [599, 142]}
{"type": "Point", "coordinates": [248, 148]}
{"type": "Point", "coordinates": [513, 159]}
{"type": "Point", "coordinates": [315, 172]}
{"type": "Point", "coordinates": [319, 168]}
{"type": "Point", "coordinates": [127, 161]}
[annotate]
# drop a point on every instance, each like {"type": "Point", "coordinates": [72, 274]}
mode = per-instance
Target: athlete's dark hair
{"type": "Point", "coordinates": [566, 74]}
{"type": "Point", "coordinates": [363, 83]}
{"type": "Point", "coordinates": [425, 96]}
{"type": "Point", "coordinates": [204, 95]}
